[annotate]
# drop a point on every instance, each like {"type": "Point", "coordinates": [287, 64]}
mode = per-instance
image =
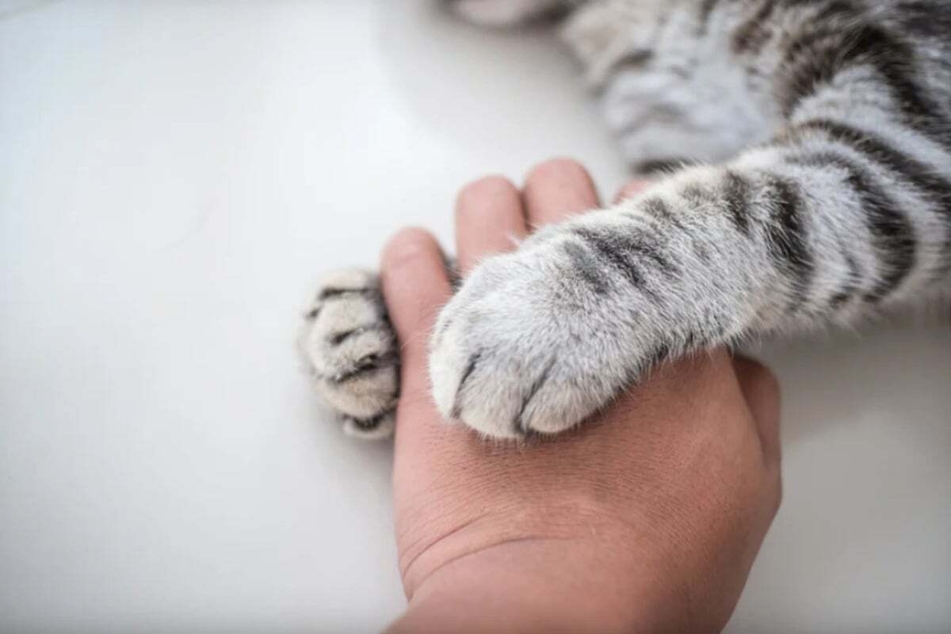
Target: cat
{"type": "Point", "coordinates": [817, 192]}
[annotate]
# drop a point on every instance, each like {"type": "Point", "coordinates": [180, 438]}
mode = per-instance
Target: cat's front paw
{"type": "Point", "coordinates": [536, 341]}
{"type": "Point", "coordinates": [348, 347]}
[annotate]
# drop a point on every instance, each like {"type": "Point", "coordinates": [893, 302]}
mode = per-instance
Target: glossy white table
{"type": "Point", "coordinates": [173, 176]}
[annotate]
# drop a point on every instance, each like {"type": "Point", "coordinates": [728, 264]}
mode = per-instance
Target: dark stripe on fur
{"type": "Point", "coordinates": [918, 174]}
{"type": "Point", "coordinates": [587, 267]}
{"type": "Point", "coordinates": [371, 423]}
{"type": "Point", "coordinates": [752, 34]}
{"type": "Point", "coordinates": [786, 236]}
{"type": "Point", "coordinates": [610, 252]}
{"type": "Point", "coordinates": [519, 423]}
{"type": "Point", "coordinates": [924, 19]}
{"type": "Point", "coordinates": [659, 209]}
{"type": "Point", "coordinates": [628, 253]}
{"type": "Point", "coordinates": [732, 198]}
{"type": "Point", "coordinates": [332, 293]}
{"type": "Point", "coordinates": [736, 195]}
{"type": "Point", "coordinates": [466, 373]}
{"type": "Point", "coordinates": [892, 234]}
{"type": "Point", "coordinates": [703, 19]}
{"type": "Point", "coordinates": [366, 365]}
{"type": "Point", "coordinates": [339, 337]}
{"type": "Point", "coordinates": [630, 245]}
{"type": "Point", "coordinates": [930, 185]}
{"type": "Point", "coordinates": [660, 167]}
{"type": "Point", "coordinates": [837, 44]}
{"type": "Point", "coordinates": [635, 58]}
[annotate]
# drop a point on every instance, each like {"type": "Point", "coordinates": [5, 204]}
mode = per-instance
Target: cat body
{"type": "Point", "coordinates": [816, 191]}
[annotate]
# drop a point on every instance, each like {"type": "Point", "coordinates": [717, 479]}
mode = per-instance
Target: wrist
{"type": "Point", "coordinates": [543, 585]}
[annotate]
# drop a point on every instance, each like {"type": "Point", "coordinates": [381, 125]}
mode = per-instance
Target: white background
{"type": "Point", "coordinates": [172, 178]}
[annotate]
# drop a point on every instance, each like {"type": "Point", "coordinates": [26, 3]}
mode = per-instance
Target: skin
{"type": "Point", "coordinates": [646, 519]}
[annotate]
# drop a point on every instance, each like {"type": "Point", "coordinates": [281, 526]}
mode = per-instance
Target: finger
{"type": "Point", "coordinates": [557, 189]}
{"type": "Point", "coordinates": [489, 219]}
{"type": "Point", "coordinates": [631, 190]}
{"type": "Point", "coordinates": [761, 390]}
{"type": "Point", "coordinates": [415, 286]}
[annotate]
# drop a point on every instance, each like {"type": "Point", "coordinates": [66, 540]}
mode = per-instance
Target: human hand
{"type": "Point", "coordinates": [646, 519]}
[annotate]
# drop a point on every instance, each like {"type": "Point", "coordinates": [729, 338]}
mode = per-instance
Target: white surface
{"type": "Point", "coordinates": [172, 177]}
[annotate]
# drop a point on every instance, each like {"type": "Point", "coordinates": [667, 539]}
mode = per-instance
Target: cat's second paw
{"type": "Point", "coordinates": [348, 346]}
{"type": "Point", "coordinates": [536, 341]}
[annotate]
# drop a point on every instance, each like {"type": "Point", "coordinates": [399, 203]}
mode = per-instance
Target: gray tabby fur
{"type": "Point", "coordinates": [818, 192]}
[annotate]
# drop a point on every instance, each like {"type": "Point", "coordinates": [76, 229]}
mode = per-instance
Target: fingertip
{"type": "Point", "coordinates": [492, 186]}
{"type": "Point", "coordinates": [558, 188]}
{"type": "Point", "coordinates": [489, 219]}
{"type": "Point", "coordinates": [559, 168]}
{"type": "Point", "coordinates": [415, 286]}
{"type": "Point", "coordinates": [407, 245]}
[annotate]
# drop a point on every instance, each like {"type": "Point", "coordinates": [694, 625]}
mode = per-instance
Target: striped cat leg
{"type": "Point", "coordinates": [817, 228]}
{"type": "Point", "coordinates": [349, 348]}
{"type": "Point", "coordinates": [847, 212]}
